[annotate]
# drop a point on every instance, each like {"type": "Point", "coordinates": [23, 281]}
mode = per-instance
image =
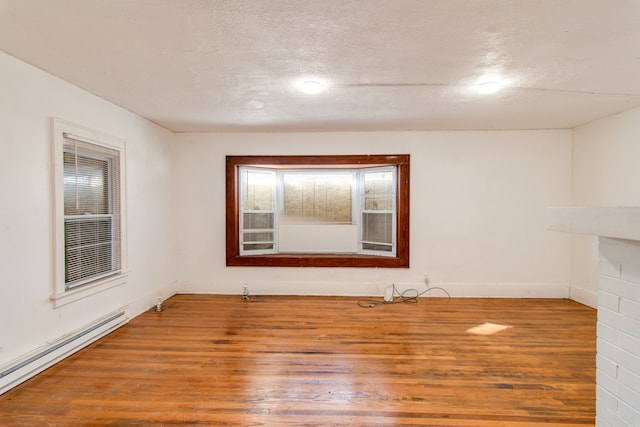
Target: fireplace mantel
{"type": "Point", "coordinates": [615, 222]}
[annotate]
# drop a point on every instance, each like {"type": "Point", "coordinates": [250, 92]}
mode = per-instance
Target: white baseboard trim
{"type": "Point", "coordinates": [279, 288]}
{"type": "Point", "coordinates": [584, 296]}
{"type": "Point", "coordinates": [508, 290]}
{"type": "Point", "coordinates": [461, 290]}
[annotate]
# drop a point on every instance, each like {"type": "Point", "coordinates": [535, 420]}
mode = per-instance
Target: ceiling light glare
{"type": "Point", "coordinates": [489, 87]}
{"type": "Point", "coordinates": [312, 87]}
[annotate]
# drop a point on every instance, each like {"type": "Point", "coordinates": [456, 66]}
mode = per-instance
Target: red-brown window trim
{"type": "Point", "coordinates": [401, 260]}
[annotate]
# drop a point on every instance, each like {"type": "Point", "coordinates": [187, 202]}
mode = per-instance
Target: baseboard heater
{"type": "Point", "coordinates": [31, 364]}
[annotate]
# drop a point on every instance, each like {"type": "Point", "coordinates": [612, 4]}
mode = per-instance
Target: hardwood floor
{"type": "Point", "coordinates": [325, 361]}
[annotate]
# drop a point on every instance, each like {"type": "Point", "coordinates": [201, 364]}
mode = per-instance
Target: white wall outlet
{"type": "Point", "coordinates": [427, 279]}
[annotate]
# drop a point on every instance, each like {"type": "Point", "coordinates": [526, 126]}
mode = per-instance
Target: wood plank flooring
{"type": "Point", "coordinates": [325, 361]}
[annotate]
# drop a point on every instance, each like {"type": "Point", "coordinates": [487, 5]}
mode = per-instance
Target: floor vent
{"type": "Point", "coordinates": [23, 368]}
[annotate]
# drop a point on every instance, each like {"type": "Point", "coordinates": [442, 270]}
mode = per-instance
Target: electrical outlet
{"type": "Point", "coordinates": [427, 279]}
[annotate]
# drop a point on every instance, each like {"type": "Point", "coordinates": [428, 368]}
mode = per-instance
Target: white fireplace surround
{"type": "Point", "coordinates": [618, 344]}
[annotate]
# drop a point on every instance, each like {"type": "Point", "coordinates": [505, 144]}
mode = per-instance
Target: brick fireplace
{"type": "Point", "coordinates": [618, 344]}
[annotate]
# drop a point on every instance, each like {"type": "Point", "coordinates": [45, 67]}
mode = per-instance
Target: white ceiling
{"type": "Point", "coordinates": [234, 65]}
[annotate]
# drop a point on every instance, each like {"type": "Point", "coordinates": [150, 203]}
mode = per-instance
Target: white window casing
{"type": "Point", "coordinates": [89, 212]}
{"type": "Point", "coordinates": [378, 211]}
{"type": "Point", "coordinates": [299, 211]}
{"type": "Point", "coordinates": [257, 212]}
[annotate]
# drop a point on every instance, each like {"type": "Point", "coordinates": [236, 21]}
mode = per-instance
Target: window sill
{"type": "Point", "coordinates": [317, 260]}
{"type": "Point", "coordinates": [66, 297]}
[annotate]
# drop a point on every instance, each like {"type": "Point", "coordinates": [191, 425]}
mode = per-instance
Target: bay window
{"type": "Point", "coordinates": [318, 210]}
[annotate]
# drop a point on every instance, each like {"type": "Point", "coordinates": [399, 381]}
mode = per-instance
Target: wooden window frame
{"type": "Point", "coordinates": [233, 257]}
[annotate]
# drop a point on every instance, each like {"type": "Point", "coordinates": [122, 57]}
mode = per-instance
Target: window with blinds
{"type": "Point", "coordinates": [89, 212]}
{"type": "Point", "coordinates": [92, 215]}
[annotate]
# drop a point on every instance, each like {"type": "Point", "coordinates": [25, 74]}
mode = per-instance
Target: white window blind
{"type": "Point", "coordinates": [92, 214]}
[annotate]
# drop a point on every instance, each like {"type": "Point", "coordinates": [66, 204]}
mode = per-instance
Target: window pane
{"type": "Point", "coordinates": [376, 247]}
{"type": "Point", "coordinates": [92, 211]}
{"type": "Point", "coordinates": [318, 197]}
{"type": "Point", "coordinates": [88, 248]}
{"type": "Point", "coordinates": [85, 232]}
{"type": "Point", "coordinates": [266, 236]}
{"type": "Point", "coordinates": [255, 220]}
{"type": "Point", "coordinates": [378, 191]}
{"type": "Point", "coordinates": [258, 241]}
{"type": "Point", "coordinates": [86, 185]}
{"type": "Point", "coordinates": [377, 228]}
{"type": "Point", "coordinates": [257, 194]}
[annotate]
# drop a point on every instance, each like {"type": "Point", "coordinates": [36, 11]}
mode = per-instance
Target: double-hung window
{"type": "Point", "coordinates": [257, 221]}
{"type": "Point", "coordinates": [89, 212]}
{"type": "Point", "coordinates": [378, 203]}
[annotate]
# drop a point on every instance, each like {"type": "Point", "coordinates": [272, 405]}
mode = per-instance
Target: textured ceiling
{"type": "Point", "coordinates": [236, 65]}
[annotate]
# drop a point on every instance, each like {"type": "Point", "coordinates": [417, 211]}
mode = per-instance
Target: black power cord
{"type": "Point", "coordinates": [407, 296]}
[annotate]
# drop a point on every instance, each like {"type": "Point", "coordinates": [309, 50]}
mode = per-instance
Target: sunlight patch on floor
{"type": "Point", "coordinates": [487, 329]}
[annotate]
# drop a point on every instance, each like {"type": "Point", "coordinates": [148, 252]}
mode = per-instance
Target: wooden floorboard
{"type": "Point", "coordinates": [325, 361]}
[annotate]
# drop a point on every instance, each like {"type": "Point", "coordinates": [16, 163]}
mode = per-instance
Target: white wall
{"type": "Point", "coordinates": [606, 172]}
{"type": "Point", "coordinates": [478, 203]}
{"type": "Point", "coordinates": [29, 97]}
